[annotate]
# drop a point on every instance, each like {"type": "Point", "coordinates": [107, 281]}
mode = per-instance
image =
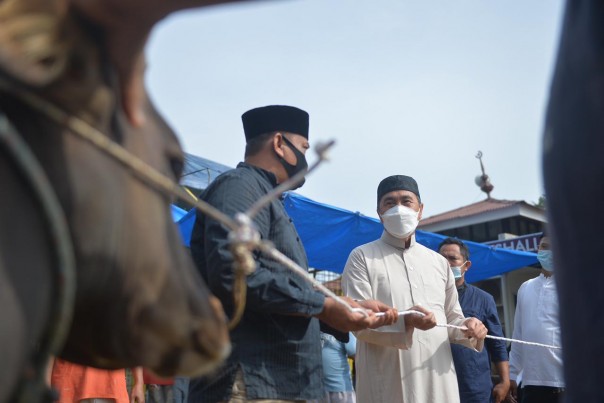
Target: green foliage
{"type": "Point", "coordinates": [541, 203]}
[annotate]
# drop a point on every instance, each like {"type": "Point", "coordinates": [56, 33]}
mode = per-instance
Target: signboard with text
{"type": "Point", "coordinates": [527, 243]}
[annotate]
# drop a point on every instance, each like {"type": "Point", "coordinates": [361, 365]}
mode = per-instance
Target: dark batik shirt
{"type": "Point", "coordinates": [474, 369]}
{"type": "Point", "coordinates": [279, 353]}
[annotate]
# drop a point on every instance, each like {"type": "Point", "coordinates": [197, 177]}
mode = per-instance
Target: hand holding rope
{"type": "Point", "coordinates": [488, 336]}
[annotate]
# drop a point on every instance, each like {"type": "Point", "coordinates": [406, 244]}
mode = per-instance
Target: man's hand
{"type": "Point", "coordinates": [426, 322]}
{"type": "Point", "coordinates": [339, 317]}
{"type": "Point", "coordinates": [500, 391]}
{"type": "Point", "coordinates": [390, 314]}
{"type": "Point", "coordinates": [137, 394]}
{"type": "Point", "coordinates": [513, 393]}
{"type": "Point", "coordinates": [475, 329]}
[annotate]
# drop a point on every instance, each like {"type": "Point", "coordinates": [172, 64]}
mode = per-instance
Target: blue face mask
{"type": "Point", "coordinates": [546, 259]}
{"type": "Point", "coordinates": [457, 271]}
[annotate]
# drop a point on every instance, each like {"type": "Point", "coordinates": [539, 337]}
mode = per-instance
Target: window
{"type": "Point", "coordinates": [479, 232]}
{"type": "Point", "coordinates": [494, 228]}
{"type": "Point", "coordinates": [463, 233]}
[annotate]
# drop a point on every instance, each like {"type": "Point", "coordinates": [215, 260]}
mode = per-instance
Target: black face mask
{"type": "Point", "coordinates": [301, 164]}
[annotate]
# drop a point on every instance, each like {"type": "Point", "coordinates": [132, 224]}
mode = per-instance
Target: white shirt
{"type": "Point", "coordinates": [395, 364]}
{"type": "Point", "coordinates": [537, 321]}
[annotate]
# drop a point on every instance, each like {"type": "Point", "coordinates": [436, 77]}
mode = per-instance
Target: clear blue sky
{"type": "Point", "coordinates": [404, 87]}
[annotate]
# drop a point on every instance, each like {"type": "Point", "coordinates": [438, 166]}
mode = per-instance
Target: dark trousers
{"type": "Point", "coordinates": [541, 394]}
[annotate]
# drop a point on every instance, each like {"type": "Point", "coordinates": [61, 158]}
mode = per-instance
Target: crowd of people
{"type": "Point", "coordinates": [292, 343]}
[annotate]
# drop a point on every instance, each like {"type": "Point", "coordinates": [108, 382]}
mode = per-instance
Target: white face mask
{"type": "Point", "coordinates": [400, 221]}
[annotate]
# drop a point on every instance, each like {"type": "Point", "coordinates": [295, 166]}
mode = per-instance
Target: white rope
{"type": "Point", "coordinates": [402, 313]}
{"type": "Point", "coordinates": [530, 343]}
{"type": "Point", "coordinates": [166, 185]}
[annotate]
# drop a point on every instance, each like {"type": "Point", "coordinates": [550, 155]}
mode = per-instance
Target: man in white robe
{"type": "Point", "coordinates": [395, 363]}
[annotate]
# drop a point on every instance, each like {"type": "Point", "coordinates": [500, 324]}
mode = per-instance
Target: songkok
{"type": "Point", "coordinates": [397, 182]}
{"type": "Point", "coordinates": [274, 118]}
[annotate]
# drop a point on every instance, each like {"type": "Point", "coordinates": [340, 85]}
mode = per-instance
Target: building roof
{"type": "Point", "coordinates": [482, 211]}
{"type": "Point", "coordinates": [471, 209]}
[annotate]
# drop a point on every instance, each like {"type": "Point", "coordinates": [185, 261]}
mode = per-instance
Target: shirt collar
{"type": "Point", "coordinates": [462, 288]}
{"type": "Point", "coordinates": [269, 176]}
{"type": "Point", "coordinates": [396, 242]}
{"type": "Point", "coordinates": [545, 279]}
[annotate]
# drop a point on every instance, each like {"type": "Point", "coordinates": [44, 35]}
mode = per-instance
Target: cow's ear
{"type": "Point", "coordinates": [34, 42]}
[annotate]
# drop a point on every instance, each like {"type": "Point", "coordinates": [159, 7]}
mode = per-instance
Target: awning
{"type": "Point", "coordinates": [329, 234]}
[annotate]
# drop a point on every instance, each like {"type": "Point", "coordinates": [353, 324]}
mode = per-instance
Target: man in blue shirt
{"type": "Point", "coordinates": [474, 369]}
{"type": "Point", "coordinates": [337, 347]}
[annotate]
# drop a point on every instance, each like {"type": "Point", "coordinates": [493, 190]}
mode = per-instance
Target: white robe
{"type": "Point", "coordinates": [395, 365]}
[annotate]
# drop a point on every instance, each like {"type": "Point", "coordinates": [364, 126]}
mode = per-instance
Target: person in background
{"type": "Point", "coordinates": [158, 390]}
{"type": "Point", "coordinates": [537, 321]}
{"type": "Point", "coordinates": [474, 369]}
{"type": "Point", "coordinates": [165, 390]}
{"type": "Point", "coordinates": [180, 389]}
{"type": "Point", "coordinates": [337, 347]}
{"type": "Point", "coordinates": [81, 384]}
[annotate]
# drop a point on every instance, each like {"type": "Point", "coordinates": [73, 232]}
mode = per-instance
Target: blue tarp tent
{"type": "Point", "coordinates": [177, 213]}
{"type": "Point", "coordinates": [199, 172]}
{"type": "Point", "coordinates": [185, 220]}
{"type": "Point", "coordinates": [329, 234]}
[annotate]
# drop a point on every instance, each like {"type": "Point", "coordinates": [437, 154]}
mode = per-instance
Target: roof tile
{"type": "Point", "coordinates": [469, 210]}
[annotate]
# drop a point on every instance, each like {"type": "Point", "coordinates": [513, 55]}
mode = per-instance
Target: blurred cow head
{"type": "Point", "coordinates": [139, 299]}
